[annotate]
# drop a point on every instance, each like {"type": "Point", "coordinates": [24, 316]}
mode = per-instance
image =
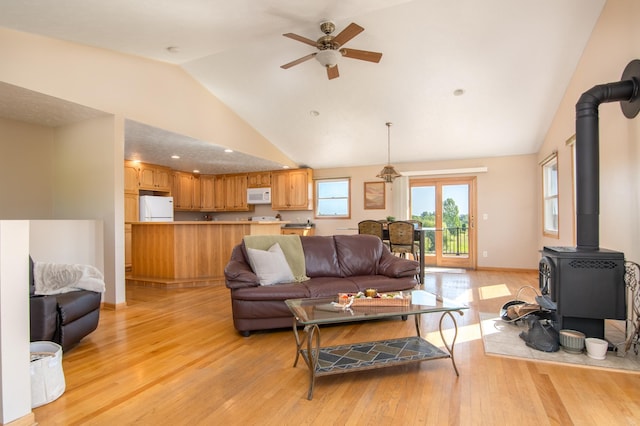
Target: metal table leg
{"type": "Point", "coordinates": [312, 352]}
{"type": "Point", "coordinates": [448, 346]}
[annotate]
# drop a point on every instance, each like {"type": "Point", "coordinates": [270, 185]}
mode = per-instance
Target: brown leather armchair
{"type": "Point", "coordinates": [62, 318]}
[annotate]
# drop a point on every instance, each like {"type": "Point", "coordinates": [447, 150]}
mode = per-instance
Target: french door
{"type": "Point", "coordinates": [446, 208]}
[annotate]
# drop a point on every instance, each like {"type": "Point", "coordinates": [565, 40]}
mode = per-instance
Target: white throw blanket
{"type": "Point", "coordinates": [55, 278]}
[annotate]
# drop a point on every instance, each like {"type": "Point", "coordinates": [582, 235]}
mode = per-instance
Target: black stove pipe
{"type": "Point", "coordinates": [588, 156]}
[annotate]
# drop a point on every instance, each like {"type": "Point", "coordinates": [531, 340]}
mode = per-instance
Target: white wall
{"type": "Point", "coordinates": [151, 92]}
{"type": "Point", "coordinates": [88, 181]}
{"type": "Point", "coordinates": [71, 172]}
{"type": "Point", "coordinates": [614, 43]}
{"type": "Point", "coordinates": [26, 188]}
{"type": "Point", "coordinates": [506, 193]}
{"type": "Point", "coordinates": [67, 241]}
{"type": "Point", "coordinates": [15, 390]}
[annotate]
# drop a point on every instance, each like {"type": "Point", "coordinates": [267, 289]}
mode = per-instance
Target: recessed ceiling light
{"type": "Point", "coordinates": [196, 171]}
{"type": "Point", "coordinates": [228, 150]}
{"type": "Point", "coordinates": [285, 167]}
{"type": "Point", "coordinates": [458, 92]}
{"type": "Point", "coordinates": [314, 113]}
{"type": "Point", "coordinates": [173, 49]}
{"type": "Point", "coordinates": [175, 157]}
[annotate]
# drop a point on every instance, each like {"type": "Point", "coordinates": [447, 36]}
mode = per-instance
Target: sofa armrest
{"type": "Point", "coordinates": [43, 317]}
{"type": "Point", "coordinates": [239, 274]}
{"type": "Point", "coordinates": [395, 267]}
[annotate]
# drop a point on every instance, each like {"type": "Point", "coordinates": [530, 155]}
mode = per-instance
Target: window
{"type": "Point", "coordinates": [550, 194]}
{"type": "Point", "coordinates": [333, 198]}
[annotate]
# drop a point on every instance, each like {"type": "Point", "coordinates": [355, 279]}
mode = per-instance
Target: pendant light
{"type": "Point", "coordinates": [388, 173]}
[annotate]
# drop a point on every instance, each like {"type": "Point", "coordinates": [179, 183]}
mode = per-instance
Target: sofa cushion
{"type": "Point", "coordinates": [270, 266]}
{"type": "Point", "coordinates": [272, 292]}
{"type": "Point", "coordinates": [329, 286]}
{"type": "Point", "coordinates": [76, 304]}
{"type": "Point", "coordinates": [358, 254]}
{"type": "Point", "coordinates": [382, 283]}
{"type": "Point", "coordinates": [320, 256]}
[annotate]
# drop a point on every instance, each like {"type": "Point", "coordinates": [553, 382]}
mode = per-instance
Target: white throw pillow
{"type": "Point", "coordinates": [270, 266]}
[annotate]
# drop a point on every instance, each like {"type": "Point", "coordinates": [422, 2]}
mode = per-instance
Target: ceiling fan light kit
{"type": "Point", "coordinates": [388, 172]}
{"type": "Point", "coordinates": [328, 58]}
{"type": "Point", "coordinates": [329, 48]}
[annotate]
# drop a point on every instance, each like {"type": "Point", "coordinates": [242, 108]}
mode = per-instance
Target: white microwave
{"type": "Point", "coordinates": [259, 196]}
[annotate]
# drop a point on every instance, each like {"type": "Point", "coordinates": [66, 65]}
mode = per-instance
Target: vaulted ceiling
{"type": "Point", "coordinates": [458, 79]}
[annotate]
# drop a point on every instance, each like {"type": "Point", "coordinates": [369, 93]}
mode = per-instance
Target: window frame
{"type": "Point", "coordinates": [550, 163]}
{"type": "Point", "coordinates": [317, 198]}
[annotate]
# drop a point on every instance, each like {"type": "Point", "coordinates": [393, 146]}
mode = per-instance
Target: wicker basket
{"type": "Point", "coordinates": [376, 301]}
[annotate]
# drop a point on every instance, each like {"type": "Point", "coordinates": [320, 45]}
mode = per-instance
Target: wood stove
{"type": "Point", "coordinates": [587, 282]}
{"type": "Point", "coordinates": [587, 287]}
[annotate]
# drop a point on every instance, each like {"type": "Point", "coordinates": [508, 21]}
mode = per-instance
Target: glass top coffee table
{"type": "Point", "coordinates": [322, 361]}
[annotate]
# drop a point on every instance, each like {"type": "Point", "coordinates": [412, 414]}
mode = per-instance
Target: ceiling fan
{"type": "Point", "coordinates": [330, 48]}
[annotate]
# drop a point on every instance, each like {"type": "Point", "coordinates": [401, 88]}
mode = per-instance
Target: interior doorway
{"type": "Point", "coordinates": [446, 208]}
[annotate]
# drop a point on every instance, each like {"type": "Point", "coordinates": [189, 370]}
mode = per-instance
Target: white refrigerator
{"type": "Point", "coordinates": [156, 209]}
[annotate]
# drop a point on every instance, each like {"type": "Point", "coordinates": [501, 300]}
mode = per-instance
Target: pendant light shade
{"type": "Point", "coordinates": [388, 173]}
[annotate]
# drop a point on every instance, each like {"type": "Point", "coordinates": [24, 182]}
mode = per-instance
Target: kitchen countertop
{"type": "Point", "coordinates": [299, 225]}
{"type": "Point", "coordinates": [213, 222]}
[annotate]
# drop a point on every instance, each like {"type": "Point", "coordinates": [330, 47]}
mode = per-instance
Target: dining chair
{"type": "Point", "coordinates": [371, 227]}
{"type": "Point", "coordinates": [401, 238]}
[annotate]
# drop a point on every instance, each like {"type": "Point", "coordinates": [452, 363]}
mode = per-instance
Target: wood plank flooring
{"type": "Point", "coordinates": [172, 357]}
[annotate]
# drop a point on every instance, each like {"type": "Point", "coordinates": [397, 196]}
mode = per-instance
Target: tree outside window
{"type": "Point", "coordinates": [550, 194]}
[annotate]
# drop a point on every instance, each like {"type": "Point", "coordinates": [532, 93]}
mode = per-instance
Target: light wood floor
{"type": "Point", "coordinates": [172, 357]}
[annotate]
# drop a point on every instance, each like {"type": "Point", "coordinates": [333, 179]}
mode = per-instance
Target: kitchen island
{"type": "Point", "coordinates": [187, 254]}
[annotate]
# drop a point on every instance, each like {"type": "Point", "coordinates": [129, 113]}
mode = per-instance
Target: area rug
{"type": "Point", "coordinates": [502, 339]}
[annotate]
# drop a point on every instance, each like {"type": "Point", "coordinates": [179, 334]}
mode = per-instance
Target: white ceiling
{"type": "Point", "coordinates": [512, 58]}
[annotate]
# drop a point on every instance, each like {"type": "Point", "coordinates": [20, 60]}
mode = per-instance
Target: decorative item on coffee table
{"type": "Point", "coordinates": [372, 298]}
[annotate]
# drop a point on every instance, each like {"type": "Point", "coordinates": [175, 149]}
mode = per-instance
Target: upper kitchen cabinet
{"type": "Point", "coordinates": [292, 189]}
{"type": "Point", "coordinates": [131, 173]}
{"type": "Point", "coordinates": [230, 193]}
{"type": "Point", "coordinates": [207, 193]}
{"type": "Point", "coordinates": [236, 193]}
{"type": "Point", "coordinates": [186, 191]}
{"type": "Point", "coordinates": [154, 178]}
{"type": "Point", "coordinates": [259, 180]}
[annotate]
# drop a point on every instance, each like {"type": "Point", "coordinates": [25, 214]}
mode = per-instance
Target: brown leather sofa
{"type": "Point", "coordinates": [62, 318]}
{"type": "Point", "coordinates": [334, 264]}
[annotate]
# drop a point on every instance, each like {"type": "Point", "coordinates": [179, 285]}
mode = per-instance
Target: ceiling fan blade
{"type": "Point", "coordinates": [298, 61]}
{"type": "Point", "coordinates": [363, 55]}
{"type": "Point", "coordinates": [301, 39]}
{"type": "Point", "coordinates": [347, 34]}
{"type": "Point", "coordinates": [332, 72]}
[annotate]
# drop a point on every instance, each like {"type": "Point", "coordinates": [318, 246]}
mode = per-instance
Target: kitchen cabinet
{"type": "Point", "coordinates": [230, 193]}
{"type": "Point", "coordinates": [131, 207]}
{"type": "Point", "coordinates": [236, 193]}
{"type": "Point", "coordinates": [186, 191]}
{"type": "Point", "coordinates": [219, 193]}
{"type": "Point", "coordinates": [154, 178]}
{"type": "Point", "coordinates": [292, 189]}
{"type": "Point", "coordinates": [259, 180]}
{"type": "Point", "coordinates": [131, 173]}
{"type": "Point", "coordinates": [187, 254]}
{"type": "Point", "coordinates": [207, 192]}
{"type": "Point", "coordinates": [127, 247]}
{"type": "Point", "coordinates": [302, 231]}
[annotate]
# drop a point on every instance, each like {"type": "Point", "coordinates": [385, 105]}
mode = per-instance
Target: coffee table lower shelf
{"type": "Point", "coordinates": [369, 355]}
